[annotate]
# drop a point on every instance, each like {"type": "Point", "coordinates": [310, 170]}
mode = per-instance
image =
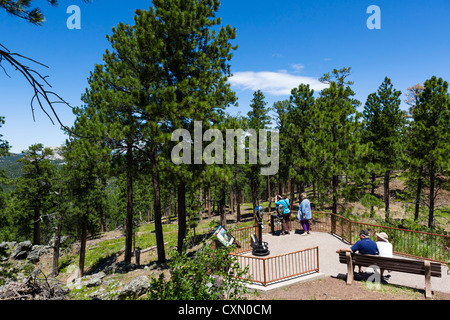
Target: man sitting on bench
{"type": "Point", "coordinates": [363, 246]}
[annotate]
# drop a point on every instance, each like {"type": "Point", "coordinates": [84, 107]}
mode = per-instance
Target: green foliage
{"type": "Point", "coordinates": [24, 9]}
{"type": "Point", "coordinates": [11, 167]}
{"type": "Point", "coordinates": [4, 147]}
{"type": "Point", "coordinates": [428, 139]}
{"type": "Point", "coordinates": [34, 192]}
{"type": "Point", "coordinates": [338, 76]}
{"type": "Point", "coordinates": [208, 275]}
{"type": "Point", "coordinates": [282, 125]}
{"type": "Point", "coordinates": [369, 201]}
{"type": "Point", "coordinates": [431, 128]}
{"type": "Point", "coordinates": [383, 125]}
{"type": "Point", "coordinates": [163, 65]}
{"type": "Point", "coordinates": [298, 122]}
{"type": "Point", "coordinates": [9, 271]}
{"type": "Point", "coordinates": [335, 145]}
{"type": "Point", "coordinates": [257, 119]}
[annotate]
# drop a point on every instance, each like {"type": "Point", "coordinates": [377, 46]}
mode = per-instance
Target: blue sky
{"type": "Point", "coordinates": [281, 44]}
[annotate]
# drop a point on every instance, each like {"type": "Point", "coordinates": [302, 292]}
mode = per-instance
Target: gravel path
{"type": "Point", "coordinates": [329, 260]}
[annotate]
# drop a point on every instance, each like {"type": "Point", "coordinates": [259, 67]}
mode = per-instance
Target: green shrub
{"type": "Point", "coordinates": [210, 274]}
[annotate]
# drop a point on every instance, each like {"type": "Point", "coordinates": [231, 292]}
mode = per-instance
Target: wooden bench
{"type": "Point", "coordinates": [426, 268]}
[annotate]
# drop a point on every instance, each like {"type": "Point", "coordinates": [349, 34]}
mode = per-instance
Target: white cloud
{"type": "Point", "coordinates": [274, 83]}
{"type": "Point", "coordinates": [298, 67]}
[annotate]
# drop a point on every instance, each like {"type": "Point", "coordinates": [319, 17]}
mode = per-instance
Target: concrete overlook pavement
{"type": "Point", "coordinates": [329, 260]}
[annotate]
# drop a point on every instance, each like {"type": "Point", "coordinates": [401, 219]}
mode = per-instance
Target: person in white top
{"type": "Point", "coordinates": [384, 247]}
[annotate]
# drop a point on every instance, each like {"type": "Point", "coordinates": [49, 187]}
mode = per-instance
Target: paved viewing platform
{"type": "Point", "coordinates": [329, 264]}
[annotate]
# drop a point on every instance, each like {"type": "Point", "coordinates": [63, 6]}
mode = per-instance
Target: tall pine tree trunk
{"type": "Point", "coordinates": [335, 181]}
{"type": "Point", "coordinates": [269, 194]}
{"type": "Point", "coordinates": [386, 195]}
{"type": "Point", "coordinates": [37, 223]}
{"type": "Point", "coordinates": [208, 203]}
{"type": "Point", "coordinates": [238, 205]}
{"type": "Point", "coordinates": [223, 217]}
{"type": "Point", "coordinates": [82, 246]}
{"type": "Point", "coordinates": [202, 198]}
{"type": "Point", "coordinates": [432, 181]}
{"type": "Point", "coordinates": [129, 219]}
{"type": "Point", "coordinates": [254, 196]}
{"type": "Point", "coordinates": [57, 245]}
{"type": "Point", "coordinates": [181, 216]}
{"type": "Point", "coordinates": [418, 193]}
{"type": "Point", "coordinates": [372, 192]}
{"type": "Point", "coordinates": [158, 223]}
{"type": "Point", "coordinates": [292, 198]}
{"type": "Point", "coordinates": [231, 199]}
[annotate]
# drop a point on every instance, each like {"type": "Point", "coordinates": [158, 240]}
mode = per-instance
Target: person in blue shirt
{"type": "Point", "coordinates": [283, 200]}
{"type": "Point", "coordinates": [364, 246]}
{"type": "Point", "coordinates": [304, 213]}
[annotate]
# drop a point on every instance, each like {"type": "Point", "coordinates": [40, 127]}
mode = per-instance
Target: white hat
{"type": "Point", "coordinates": [383, 236]}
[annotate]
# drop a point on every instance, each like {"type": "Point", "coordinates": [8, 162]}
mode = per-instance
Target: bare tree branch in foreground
{"type": "Point", "coordinates": [42, 96]}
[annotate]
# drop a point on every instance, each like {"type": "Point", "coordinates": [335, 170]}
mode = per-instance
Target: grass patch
{"type": "Point", "coordinates": [392, 290]}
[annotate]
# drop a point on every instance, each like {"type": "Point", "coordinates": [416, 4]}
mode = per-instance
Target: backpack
{"type": "Point", "coordinates": [281, 208]}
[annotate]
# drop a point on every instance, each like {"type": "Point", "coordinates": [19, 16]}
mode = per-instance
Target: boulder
{"type": "Point", "coordinates": [36, 252]}
{"type": "Point", "coordinates": [87, 281]}
{"type": "Point", "coordinates": [135, 288]}
{"type": "Point", "coordinates": [22, 250]}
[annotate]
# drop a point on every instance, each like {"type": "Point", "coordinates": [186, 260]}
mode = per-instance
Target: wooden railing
{"type": "Point", "coordinates": [266, 270]}
{"type": "Point", "coordinates": [418, 244]}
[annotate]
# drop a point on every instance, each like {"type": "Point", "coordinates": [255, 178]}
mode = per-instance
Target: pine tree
{"type": "Point", "coordinates": [87, 160]}
{"type": "Point", "coordinates": [336, 142]}
{"type": "Point", "coordinates": [416, 169]}
{"type": "Point", "coordinates": [238, 180]}
{"type": "Point", "coordinates": [430, 134]}
{"type": "Point", "coordinates": [35, 185]}
{"type": "Point", "coordinates": [302, 102]}
{"type": "Point", "coordinates": [384, 122]}
{"type": "Point", "coordinates": [258, 119]}
{"type": "Point", "coordinates": [4, 148]}
{"type": "Point", "coordinates": [165, 72]}
{"type": "Point", "coordinates": [23, 9]}
{"type": "Point", "coordinates": [193, 70]}
{"type": "Point", "coordinates": [114, 94]}
{"type": "Point", "coordinates": [286, 148]}
{"type": "Point", "coordinates": [192, 59]}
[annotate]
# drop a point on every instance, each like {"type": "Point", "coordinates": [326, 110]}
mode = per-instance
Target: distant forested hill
{"type": "Point", "coordinates": [13, 169]}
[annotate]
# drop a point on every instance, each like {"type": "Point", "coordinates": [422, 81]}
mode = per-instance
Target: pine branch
{"type": "Point", "coordinates": [42, 96]}
{"type": "Point", "coordinates": [22, 9]}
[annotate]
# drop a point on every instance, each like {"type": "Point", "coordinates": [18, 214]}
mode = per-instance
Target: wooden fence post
{"type": "Point", "coordinates": [137, 256]}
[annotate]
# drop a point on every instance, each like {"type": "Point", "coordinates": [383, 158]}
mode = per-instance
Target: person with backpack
{"type": "Point", "coordinates": [282, 203]}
